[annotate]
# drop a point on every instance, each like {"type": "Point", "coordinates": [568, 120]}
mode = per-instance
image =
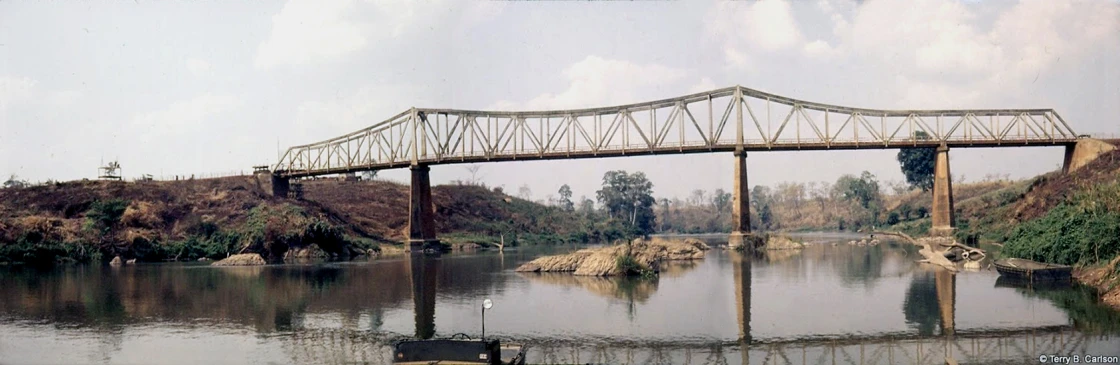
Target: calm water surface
{"type": "Point", "coordinates": [825, 304]}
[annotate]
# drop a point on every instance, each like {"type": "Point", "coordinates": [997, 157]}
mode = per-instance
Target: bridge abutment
{"type": "Point", "coordinates": [740, 206]}
{"type": "Point", "coordinates": [421, 218]}
{"type": "Point", "coordinates": [943, 222]}
{"type": "Point", "coordinates": [1083, 152]}
{"type": "Point", "coordinates": [280, 186]}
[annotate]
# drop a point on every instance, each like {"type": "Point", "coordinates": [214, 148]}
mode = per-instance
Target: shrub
{"type": "Point", "coordinates": [1067, 235]}
{"type": "Point", "coordinates": [892, 218]}
{"type": "Point", "coordinates": [34, 249]}
{"type": "Point", "coordinates": [103, 215]}
{"type": "Point", "coordinates": [627, 265]}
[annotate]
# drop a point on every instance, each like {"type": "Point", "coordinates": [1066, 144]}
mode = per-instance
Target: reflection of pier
{"type": "Point", "coordinates": [946, 284]}
{"type": "Point", "coordinates": [424, 272]}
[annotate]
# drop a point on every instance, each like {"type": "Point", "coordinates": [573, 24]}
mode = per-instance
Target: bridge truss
{"type": "Point", "coordinates": [728, 119]}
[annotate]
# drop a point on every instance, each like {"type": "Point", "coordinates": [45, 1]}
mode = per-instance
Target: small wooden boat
{"type": "Point", "coordinates": [1028, 270]}
{"type": "Point", "coordinates": [462, 350]}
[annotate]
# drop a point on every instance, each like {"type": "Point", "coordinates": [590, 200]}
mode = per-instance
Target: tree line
{"type": "Point", "coordinates": [853, 202]}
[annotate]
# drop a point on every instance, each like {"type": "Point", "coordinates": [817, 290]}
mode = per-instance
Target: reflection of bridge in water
{"type": "Point", "coordinates": [334, 345]}
{"type": "Point", "coordinates": [980, 345]}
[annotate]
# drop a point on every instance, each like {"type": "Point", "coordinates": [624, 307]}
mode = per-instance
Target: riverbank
{"type": "Point", "coordinates": [1063, 218]}
{"type": "Point", "coordinates": [211, 219]}
{"type": "Point", "coordinates": [1105, 279]}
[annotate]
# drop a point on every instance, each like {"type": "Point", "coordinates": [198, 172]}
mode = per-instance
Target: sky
{"type": "Point", "coordinates": [202, 87]}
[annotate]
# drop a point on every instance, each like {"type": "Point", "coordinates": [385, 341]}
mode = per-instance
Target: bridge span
{"type": "Point", "coordinates": [734, 119]}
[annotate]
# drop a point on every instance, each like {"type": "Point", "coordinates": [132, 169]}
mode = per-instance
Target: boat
{"type": "Point", "coordinates": [459, 349]}
{"type": "Point", "coordinates": [1032, 286]}
{"type": "Point", "coordinates": [1023, 269]}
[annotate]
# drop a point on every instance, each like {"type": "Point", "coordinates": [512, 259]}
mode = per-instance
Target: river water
{"type": "Point", "coordinates": [827, 304]}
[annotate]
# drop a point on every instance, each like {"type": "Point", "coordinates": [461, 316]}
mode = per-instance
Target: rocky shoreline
{"type": "Point", "coordinates": [613, 260]}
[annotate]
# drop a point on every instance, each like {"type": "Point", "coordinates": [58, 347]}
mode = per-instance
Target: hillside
{"type": "Point", "coordinates": [381, 208]}
{"type": "Point", "coordinates": [212, 218]}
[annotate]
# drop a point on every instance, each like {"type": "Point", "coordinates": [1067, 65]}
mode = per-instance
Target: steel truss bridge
{"type": "Point", "coordinates": [729, 119]}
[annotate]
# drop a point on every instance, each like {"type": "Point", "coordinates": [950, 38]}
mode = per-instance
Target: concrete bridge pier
{"type": "Point", "coordinates": [740, 206]}
{"type": "Point", "coordinates": [421, 218]}
{"type": "Point", "coordinates": [943, 222]}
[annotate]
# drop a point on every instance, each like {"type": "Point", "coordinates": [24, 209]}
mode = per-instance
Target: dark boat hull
{"type": "Point", "coordinates": [1026, 270]}
{"type": "Point", "coordinates": [474, 352]}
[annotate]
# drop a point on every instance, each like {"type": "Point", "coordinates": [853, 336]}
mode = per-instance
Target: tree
{"type": "Point", "coordinates": [586, 206]}
{"type": "Point", "coordinates": [524, 192]}
{"type": "Point", "coordinates": [721, 201]}
{"type": "Point", "coordinates": [566, 198]}
{"type": "Point", "coordinates": [765, 217]}
{"type": "Point", "coordinates": [697, 197]}
{"type": "Point", "coordinates": [369, 175]}
{"type": "Point", "coordinates": [628, 197]}
{"type": "Point", "coordinates": [917, 163]}
{"type": "Point", "coordinates": [664, 213]}
{"type": "Point", "coordinates": [15, 182]}
{"type": "Point", "coordinates": [762, 199]}
{"type": "Point", "coordinates": [820, 193]}
{"type": "Point", "coordinates": [898, 187]}
{"type": "Point", "coordinates": [864, 189]}
{"type": "Point", "coordinates": [473, 170]}
{"type": "Point", "coordinates": [760, 196]}
{"type": "Point", "coordinates": [791, 193]}
{"type": "Point", "coordinates": [905, 210]}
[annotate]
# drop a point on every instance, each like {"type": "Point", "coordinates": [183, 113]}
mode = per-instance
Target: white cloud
{"type": "Point", "coordinates": [596, 81]}
{"type": "Point", "coordinates": [818, 49]}
{"type": "Point", "coordinates": [758, 27]}
{"type": "Point", "coordinates": [307, 31]}
{"type": "Point", "coordinates": [198, 66]}
{"type": "Point", "coordinates": [930, 35]}
{"type": "Point", "coordinates": [930, 52]}
{"type": "Point", "coordinates": [195, 113]}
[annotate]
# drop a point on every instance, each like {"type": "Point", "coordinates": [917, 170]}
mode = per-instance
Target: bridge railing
{"type": "Point", "coordinates": [723, 119]}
